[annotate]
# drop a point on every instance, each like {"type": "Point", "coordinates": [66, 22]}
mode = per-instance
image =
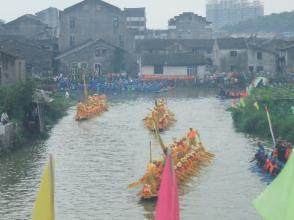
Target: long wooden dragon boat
{"type": "Point", "coordinates": [161, 116]}
{"type": "Point", "coordinates": [93, 106]}
{"type": "Point", "coordinates": [187, 162]}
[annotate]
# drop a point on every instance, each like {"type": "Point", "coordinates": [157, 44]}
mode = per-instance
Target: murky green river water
{"type": "Point", "coordinates": [95, 161]}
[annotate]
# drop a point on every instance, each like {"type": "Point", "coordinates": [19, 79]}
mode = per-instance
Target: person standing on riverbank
{"type": "Point", "coordinates": [4, 118]}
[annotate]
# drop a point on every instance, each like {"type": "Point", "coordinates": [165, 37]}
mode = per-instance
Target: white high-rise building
{"type": "Point", "coordinates": [230, 12]}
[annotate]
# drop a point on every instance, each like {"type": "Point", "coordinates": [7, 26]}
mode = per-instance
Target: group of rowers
{"type": "Point", "coordinates": [275, 161]}
{"type": "Point", "coordinates": [187, 154]}
{"type": "Point", "coordinates": [160, 117]}
{"type": "Point", "coordinates": [94, 105]}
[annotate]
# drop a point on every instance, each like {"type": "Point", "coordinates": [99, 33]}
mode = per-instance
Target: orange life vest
{"type": "Point", "coordinates": [192, 134]}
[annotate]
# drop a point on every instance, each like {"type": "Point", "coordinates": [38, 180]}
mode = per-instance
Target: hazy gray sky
{"type": "Point", "coordinates": [158, 11]}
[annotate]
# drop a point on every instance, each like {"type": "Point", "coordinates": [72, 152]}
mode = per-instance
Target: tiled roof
{"type": "Point", "coordinates": [102, 3]}
{"type": "Point", "coordinates": [160, 44]}
{"type": "Point", "coordinates": [231, 43]}
{"type": "Point", "coordinates": [84, 45]}
{"type": "Point", "coordinates": [174, 60]}
{"type": "Point", "coordinates": [27, 17]}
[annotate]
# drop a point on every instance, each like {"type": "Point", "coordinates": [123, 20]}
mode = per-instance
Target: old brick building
{"type": "Point", "coordinates": [28, 26]}
{"type": "Point", "coordinates": [96, 57]}
{"type": "Point", "coordinates": [92, 19]}
{"type": "Point", "coordinates": [12, 68]}
{"type": "Point", "coordinates": [38, 54]}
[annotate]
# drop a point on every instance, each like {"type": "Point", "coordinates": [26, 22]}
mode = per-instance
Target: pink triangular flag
{"type": "Point", "coordinates": [167, 207]}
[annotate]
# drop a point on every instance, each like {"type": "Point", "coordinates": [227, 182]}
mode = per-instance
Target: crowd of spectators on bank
{"type": "Point", "coordinates": [112, 84]}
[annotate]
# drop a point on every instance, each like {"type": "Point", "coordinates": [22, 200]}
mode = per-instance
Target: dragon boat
{"type": "Point", "coordinates": [187, 161]}
{"type": "Point", "coordinates": [93, 106]}
{"type": "Point", "coordinates": [161, 116]}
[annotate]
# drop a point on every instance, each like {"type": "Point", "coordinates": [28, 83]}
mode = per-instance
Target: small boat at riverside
{"type": "Point", "coordinates": [94, 106]}
{"type": "Point", "coordinates": [187, 161]}
{"type": "Point", "coordinates": [273, 162]}
{"type": "Point", "coordinates": [160, 116]}
{"type": "Point", "coordinates": [225, 94]}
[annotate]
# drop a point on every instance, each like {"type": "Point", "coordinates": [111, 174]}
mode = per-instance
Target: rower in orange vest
{"type": "Point", "coordinates": [192, 134]}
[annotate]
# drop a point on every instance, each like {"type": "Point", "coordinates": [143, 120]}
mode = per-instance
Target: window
{"type": "Point", "coordinates": [259, 55]}
{"type": "Point", "coordinates": [74, 67]}
{"type": "Point", "coordinates": [233, 53]}
{"type": "Point", "coordinates": [158, 69]}
{"type": "Point", "coordinates": [97, 68]}
{"type": "Point", "coordinates": [103, 52]}
{"type": "Point", "coordinates": [259, 68]}
{"type": "Point", "coordinates": [72, 41]}
{"type": "Point", "coordinates": [121, 41]}
{"type": "Point", "coordinates": [72, 23]}
{"type": "Point", "coordinates": [233, 68]}
{"type": "Point", "coordinates": [98, 52]}
{"type": "Point", "coordinates": [191, 70]}
{"type": "Point", "coordinates": [115, 22]}
{"type": "Point", "coordinates": [251, 68]}
{"type": "Point", "coordinates": [84, 66]}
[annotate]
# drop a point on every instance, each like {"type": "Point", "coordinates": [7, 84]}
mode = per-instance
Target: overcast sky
{"type": "Point", "coordinates": [158, 11]}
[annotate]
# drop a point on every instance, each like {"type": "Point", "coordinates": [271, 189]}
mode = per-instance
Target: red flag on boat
{"type": "Point", "coordinates": [167, 207]}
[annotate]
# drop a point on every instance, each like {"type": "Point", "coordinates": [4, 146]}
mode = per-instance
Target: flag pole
{"type": "Point", "coordinates": [270, 125]}
{"type": "Point", "coordinates": [150, 145]}
{"type": "Point", "coordinates": [52, 174]}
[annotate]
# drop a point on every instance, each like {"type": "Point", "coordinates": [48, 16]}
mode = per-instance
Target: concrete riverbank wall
{"type": "Point", "coordinates": [7, 134]}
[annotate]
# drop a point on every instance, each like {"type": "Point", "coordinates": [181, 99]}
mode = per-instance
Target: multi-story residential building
{"type": "Point", "coordinates": [230, 12]}
{"type": "Point", "coordinates": [189, 26]}
{"type": "Point", "coordinates": [50, 16]}
{"type": "Point", "coordinates": [136, 21]}
{"type": "Point", "coordinates": [92, 19]}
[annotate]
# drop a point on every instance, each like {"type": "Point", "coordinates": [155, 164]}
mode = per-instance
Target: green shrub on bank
{"type": "Point", "coordinates": [57, 109]}
{"type": "Point", "coordinates": [279, 100]}
{"type": "Point", "coordinates": [17, 101]}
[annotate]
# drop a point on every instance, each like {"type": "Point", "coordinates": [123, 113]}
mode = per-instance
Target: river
{"type": "Point", "coordinates": [95, 161]}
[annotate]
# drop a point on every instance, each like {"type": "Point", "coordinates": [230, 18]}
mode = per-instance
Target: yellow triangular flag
{"type": "Point", "coordinates": [256, 105]}
{"type": "Point", "coordinates": [242, 103]}
{"type": "Point", "coordinates": [44, 204]}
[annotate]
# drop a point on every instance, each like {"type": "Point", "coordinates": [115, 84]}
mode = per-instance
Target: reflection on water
{"type": "Point", "coordinates": [97, 159]}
